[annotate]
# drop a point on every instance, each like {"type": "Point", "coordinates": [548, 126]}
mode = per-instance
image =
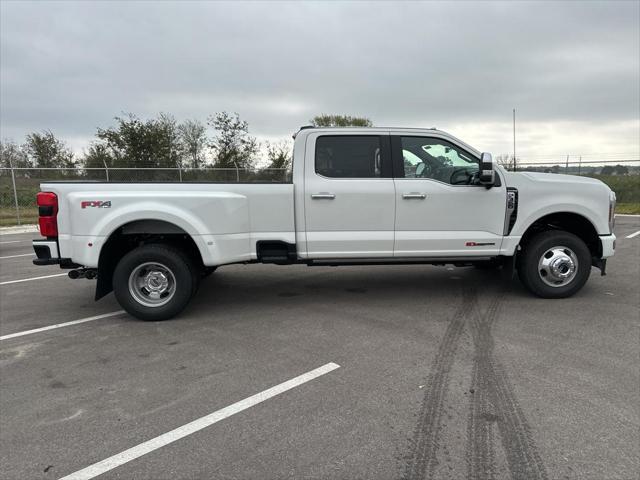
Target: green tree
{"type": "Point", "coordinates": [279, 154]}
{"type": "Point", "coordinates": [192, 135]}
{"type": "Point", "coordinates": [232, 144]}
{"type": "Point", "coordinates": [325, 120]}
{"type": "Point", "coordinates": [11, 155]}
{"type": "Point", "coordinates": [44, 150]}
{"type": "Point", "coordinates": [607, 170]}
{"type": "Point", "coordinates": [132, 142]}
{"type": "Point", "coordinates": [621, 169]}
{"type": "Point", "coordinates": [97, 157]}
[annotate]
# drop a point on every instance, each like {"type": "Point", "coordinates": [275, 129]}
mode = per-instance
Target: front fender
{"type": "Point", "coordinates": [523, 222]}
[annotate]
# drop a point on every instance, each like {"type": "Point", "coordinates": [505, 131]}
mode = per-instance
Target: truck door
{"type": "Point", "coordinates": [441, 211]}
{"type": "Point", "coordinates": [349, 195]}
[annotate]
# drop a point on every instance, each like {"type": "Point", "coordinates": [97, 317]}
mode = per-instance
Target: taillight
{"type": "Point", "coordinates": [47, 212]}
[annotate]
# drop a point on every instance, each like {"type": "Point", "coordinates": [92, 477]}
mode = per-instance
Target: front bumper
{"type": "Point", "coordinates": [608, 245]}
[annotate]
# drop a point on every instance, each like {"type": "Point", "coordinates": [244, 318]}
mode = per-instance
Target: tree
{"type": "Point", "coordinates": [606, 170]}
{"type": "Point", "coordinates": [621, 169]}
{"type": "Point", "coordinates": [97, 157]}
{"type": "Point", "coordinates": [136, 143]}
{"type": "Point", "coordinates": [325, 120]}
{"type": "Point", "coordinates": [11, 155]}
{"type": "Point", "coordinates": [507, 161]}
{"type": "Point", "coordinates": [193, 140]}
{"type": "Point", "coordinates": [232, 144]}
{"type": "Point", "coordinates": [46, 151]}
{"type": "Point", "coordinates": [279, 154]}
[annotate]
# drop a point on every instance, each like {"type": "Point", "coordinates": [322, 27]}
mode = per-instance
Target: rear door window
{"type": "Point", "coordinates": [349, 156]}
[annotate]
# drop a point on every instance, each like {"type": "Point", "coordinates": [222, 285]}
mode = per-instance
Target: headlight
{"type": "Point", "coordinates": [612, 209]}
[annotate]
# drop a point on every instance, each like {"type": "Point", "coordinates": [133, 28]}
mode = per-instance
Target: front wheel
{"type": "Point", "coordinates": [154, 282]}
{"type": "Point", "coordinates": [554, 264]}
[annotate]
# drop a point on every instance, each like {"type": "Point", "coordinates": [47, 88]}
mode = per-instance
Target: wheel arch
{"type": "Point", "coordinates": [570, 222]}
{"type": "Point", "coordinates": [130, 235]}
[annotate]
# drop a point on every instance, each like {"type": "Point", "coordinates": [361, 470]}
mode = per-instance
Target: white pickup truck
{"type": "Point", "coordinates": [358, 196]}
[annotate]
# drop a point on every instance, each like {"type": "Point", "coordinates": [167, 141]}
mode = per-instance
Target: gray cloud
{"type": "Point", "coordinates": [72, 66]}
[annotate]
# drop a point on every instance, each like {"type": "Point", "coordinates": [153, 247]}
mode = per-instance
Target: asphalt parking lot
{"type": "Point", "coordinates": [425, 372]}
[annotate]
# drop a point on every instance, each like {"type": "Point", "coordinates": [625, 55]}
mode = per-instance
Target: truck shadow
{"type": "Point", "coordinates": [232, 287]}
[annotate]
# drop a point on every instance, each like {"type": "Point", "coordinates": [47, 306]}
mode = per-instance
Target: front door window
{"type": "Point", "coordinates": [437, 159]}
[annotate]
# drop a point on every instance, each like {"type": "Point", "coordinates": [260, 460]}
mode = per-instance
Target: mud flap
{"type": "Point", "coordinates": [601, 263]}
{"type": "Point", "coordinates": [508, 270]}
{"type": "Point", "coordinates": [106, 266]}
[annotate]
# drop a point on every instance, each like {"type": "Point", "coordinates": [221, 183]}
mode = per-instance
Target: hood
{"type": "Point", "coordinates": [560, 178]}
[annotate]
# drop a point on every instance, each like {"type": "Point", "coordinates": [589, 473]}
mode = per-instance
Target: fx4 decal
{"type": "Point", "coordinates": [95, 203]}
{"type": "Point", "coordinates": [478, 244]}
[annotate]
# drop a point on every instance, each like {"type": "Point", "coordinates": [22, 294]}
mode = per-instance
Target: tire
{"type": "Point", "coordinates": [554, 264]}
{"type": "Point", "coordinates": [154, 282]}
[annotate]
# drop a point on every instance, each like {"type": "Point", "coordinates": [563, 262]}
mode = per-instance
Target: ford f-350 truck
{"type": "Point", "coordinates": [357, 196]}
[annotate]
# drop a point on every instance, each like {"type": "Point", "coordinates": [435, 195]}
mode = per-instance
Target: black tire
{"type": "Point", "coordinates": [177, 267]}
{"type": "Point", "coordinates": [533, 278]}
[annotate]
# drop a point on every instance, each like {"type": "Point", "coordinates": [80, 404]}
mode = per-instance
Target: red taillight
{"type": "Point", "coordinates": [48, 211]}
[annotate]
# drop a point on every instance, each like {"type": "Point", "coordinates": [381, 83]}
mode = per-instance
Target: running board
{"type": "Point", "coordinates": [336, 262]}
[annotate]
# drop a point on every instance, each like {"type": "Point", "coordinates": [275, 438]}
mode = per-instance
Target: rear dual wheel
{"type": "Point", "coordinates": [155, 282]}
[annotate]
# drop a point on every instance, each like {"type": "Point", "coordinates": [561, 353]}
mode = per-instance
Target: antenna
{"type": "Point", "coordinates": [514, 140]}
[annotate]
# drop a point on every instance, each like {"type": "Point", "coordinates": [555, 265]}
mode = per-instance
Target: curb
{"type": "Point", "coordinates": [626, 215]}
{"type": "Point", "coordinates": [18, 229]}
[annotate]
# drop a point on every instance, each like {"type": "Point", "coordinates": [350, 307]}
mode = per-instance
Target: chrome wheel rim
{"type": "Point", "coordinates": [558, 266]}
{"type": "Point", "coordinates": [152, 284]}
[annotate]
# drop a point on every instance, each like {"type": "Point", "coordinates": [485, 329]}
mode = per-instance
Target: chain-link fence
{"type": "Point", "coordinates": [621, 175]}
{"type": "Point", "coordinates": [575, 166]}
{"type": "Point", "coordinates": [19, 186]}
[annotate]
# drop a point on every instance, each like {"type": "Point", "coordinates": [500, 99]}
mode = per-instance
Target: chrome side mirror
{"type": "Point", "coordinates": [487, 175]}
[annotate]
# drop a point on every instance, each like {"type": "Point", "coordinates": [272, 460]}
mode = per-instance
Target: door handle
{"type": "Point", "coordinates": [417, 196]}
{"type": "Point", "coordinates": [320, 196]}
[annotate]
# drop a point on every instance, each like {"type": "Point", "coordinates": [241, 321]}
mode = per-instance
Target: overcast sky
{"type": "Point", "coordinates": [572, 70]}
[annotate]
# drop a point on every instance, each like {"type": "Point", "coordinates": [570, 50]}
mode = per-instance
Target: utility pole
{"type": "Point", "coordinates": [566, 165]}
{"type": "Point", "coordinates": [514, 141]}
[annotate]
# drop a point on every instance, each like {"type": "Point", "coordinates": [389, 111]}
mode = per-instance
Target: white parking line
{"type": "Point", "coordinates": [12, 241]}
{"type": "Point", "coordinates": [33, 278]}
{"type": "Point", "coordinates": [633, 234]}
{"type": "Point", "coordinates": [16, 256]}
{"type": "Point", "coordinates": [60, 325]}
{"type": "Point", "coordinates": [192, 427]}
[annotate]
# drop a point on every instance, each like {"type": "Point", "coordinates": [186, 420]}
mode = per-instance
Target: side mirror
{"type": "Point", "coordinates": [487, 175]}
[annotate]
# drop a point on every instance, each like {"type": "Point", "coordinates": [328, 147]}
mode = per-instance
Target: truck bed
{"type": "Point", "coordinates": [225, 220]}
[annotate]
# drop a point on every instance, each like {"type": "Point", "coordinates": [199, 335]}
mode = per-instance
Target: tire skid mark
{"type": "Point", "coordinates": [494, 400]}
{"type": "Point", "coordinates": [422, 459]}
{"type": "Point", "coordinates": [480, 450]}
